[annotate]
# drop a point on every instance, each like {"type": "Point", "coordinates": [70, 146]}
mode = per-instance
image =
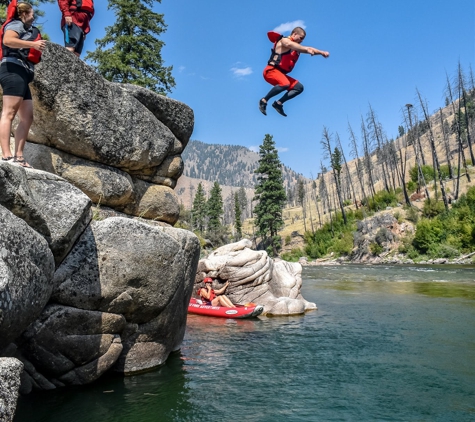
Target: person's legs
{"type": "Point", "coordinates": [295, 88]}
{"type": "Point", "coordinates": [279, 82]}
{"type": "Point", "coordinates": [25, 113]}
{"type": "Point", "coordinates": [9, 110]}
{"type": "Point", "coordinates": [276, 90]}
{"type": "Point", "coordinates": [291, 93]}
{"type": "Point", "coordinates": [225, 301]}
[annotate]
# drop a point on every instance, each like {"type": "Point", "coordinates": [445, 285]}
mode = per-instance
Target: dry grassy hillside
{"type": "Point", "coordinates": [295, 224]}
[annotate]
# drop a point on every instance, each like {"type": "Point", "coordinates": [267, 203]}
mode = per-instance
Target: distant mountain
{"type": "Point", "coordinates": [230, 165]}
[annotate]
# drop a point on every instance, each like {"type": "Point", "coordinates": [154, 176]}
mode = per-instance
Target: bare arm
{"type": "Point", "coordinates": [12, 40]}
{"type": "Point", "coordinates": [204, 293]}
{"type": "Point", "coordinates": [222, 289]}
{"type": "Point", "coordinates": [288, 43]}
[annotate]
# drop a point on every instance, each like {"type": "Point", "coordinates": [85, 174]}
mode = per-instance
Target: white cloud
{"type": "Point", "coordinates": [254, 148]}
{"type": "Point", "coordinates": [240, 72]}
{"type": "Point", "coordinates": [181, 68]}
{"type": "Point", "coordinates": [288, 26]}
{"type": "Point", "coordinates": [282, 149]}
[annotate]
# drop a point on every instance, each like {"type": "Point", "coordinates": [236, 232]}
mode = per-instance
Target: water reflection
{"type": "Point", "coordinates": [158, 395]}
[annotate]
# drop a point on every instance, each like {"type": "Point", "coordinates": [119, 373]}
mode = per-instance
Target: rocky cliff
{"type": "Point", "coordinates": [79, 296]}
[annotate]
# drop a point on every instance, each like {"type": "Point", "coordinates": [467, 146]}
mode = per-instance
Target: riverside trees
{"type": "Point", "coordinates": [130, 52]}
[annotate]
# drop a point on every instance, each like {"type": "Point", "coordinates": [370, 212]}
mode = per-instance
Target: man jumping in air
{"type": "Point", "coordinates": [285, 53]}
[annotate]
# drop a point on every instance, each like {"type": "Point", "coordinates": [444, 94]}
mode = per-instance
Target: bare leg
{"type": "Point", "coordinates": [71, 49]}
{"type": "Point", "coordinates": [25, 113]}
{"type": "Point", "coordinates": [226, 301]}
{"type": "Point", "coordinates": [10, 108]}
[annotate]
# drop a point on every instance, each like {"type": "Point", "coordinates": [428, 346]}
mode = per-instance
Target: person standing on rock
{"type": "Point", "coordinates": [77, 15]}
{"type": "Point", "coordinates": [215, 297]}
{"type": "Point", "coordinates": [285, 53]}
{"type": "Point", "coordinates": [21, 50]}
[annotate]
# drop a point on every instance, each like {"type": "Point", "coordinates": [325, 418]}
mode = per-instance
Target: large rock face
{"type": "Point", "coordinates": [254, 277]}
{"type": "Point", "coordinates": [119, 144]}
{"type": "Point", "coordinates": [79, 297]}
{"type": "Point", "coordinates": [26, 276]}
{"type": "Point", "coordinates": [117, 301]}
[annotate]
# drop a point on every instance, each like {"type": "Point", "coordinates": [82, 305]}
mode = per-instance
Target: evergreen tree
{"type": "Point", "coordinates": [237, 217]}
{"type": "Point", "coordinates": [300, 192]}
{"type": "Point", "coordinates": [215, 208]}
{"type": "Point", "coordinates": [198, 212]}
{"type": "Point", "coordinates": [270, 193]}
{"type": "Point", "coordinates": [130, 52]}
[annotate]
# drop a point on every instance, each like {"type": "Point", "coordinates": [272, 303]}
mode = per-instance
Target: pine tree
{"type": "Point", "coordinates": [237, 217]}
{"type": "Point", "coordinates": [270, 193]}
{"type": "Point", "coordinates": [215, 208]}
{"type": "Point", "coordinates": [130, 52]}
{"type": "Point", "coordinates": [198, 212]}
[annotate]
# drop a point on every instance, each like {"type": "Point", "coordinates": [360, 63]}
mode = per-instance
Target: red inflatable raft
{"type": "Point", "coordinates": [196, 306]}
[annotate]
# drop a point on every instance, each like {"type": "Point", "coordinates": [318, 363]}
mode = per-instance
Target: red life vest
{"type": "Point", "coordinates": [285, 62]}
{"type": "Point", "coordinates": [83, 6]}
{"type": "Point", "coordinates": [212, 294]}
{"type": "Point", "coordinates": [25, 54]}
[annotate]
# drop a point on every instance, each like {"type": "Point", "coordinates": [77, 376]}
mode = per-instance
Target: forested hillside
{"type": "Point", "coordinates": [229, 165]}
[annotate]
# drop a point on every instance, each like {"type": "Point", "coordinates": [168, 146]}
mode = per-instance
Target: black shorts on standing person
{"type": "Point", "coordinates": [15, 80]}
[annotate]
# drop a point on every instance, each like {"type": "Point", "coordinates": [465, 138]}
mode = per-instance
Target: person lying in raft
{"type": "Point", "coordinates": [214, 297]}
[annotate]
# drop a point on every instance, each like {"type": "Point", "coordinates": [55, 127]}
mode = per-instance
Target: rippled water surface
{"type": "Point", "coordinates": [386, 344]}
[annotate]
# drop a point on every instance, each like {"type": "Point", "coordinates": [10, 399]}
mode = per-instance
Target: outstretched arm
{"type": "Point", "coordinates": [321, 52]}
{"type": "Point", "coordinates": [288, 43]}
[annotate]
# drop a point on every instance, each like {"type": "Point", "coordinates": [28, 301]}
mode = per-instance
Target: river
{"type": "Point", "coordinates": [388, 343]}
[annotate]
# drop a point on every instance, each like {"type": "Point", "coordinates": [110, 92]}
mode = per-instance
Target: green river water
{"type": "Point", "coordinates": [388, 343]}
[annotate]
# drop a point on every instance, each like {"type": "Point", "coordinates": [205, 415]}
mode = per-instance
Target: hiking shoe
{"type": "Point", "coordinates": [262, 107]}
{"type": "Point", "coordinates": [279, 108]}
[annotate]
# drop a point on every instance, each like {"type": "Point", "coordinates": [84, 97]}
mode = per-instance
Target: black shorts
{"type": "Point", "coordinates": [14, 79]}
{"type": "Point", "coordinates": [76, 37]}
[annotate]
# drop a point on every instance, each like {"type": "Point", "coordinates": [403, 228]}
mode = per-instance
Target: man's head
{"type": "Point", "coordinates": [298, 34]}
{"type": "Point", "coordinates": [208, 280]}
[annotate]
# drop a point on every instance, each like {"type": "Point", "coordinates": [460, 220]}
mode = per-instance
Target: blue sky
{"type": "Point", "coordinates": [380, 52]}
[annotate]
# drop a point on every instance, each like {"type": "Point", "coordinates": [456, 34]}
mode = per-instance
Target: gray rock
{"type": "Point", "coordinates": [72, 345]}
{"type": "Point", "coordinates": [48, 203]}
{"type": "Point", "coordinates": [26, 274]}
{"type": "Point", "coordinates": [16, 196]}
{"type": "Point", "coordinates": [142, 271]}
{"type": "Point", "coordinates": [10, 371]}
{"type": "Point", "coordinates": [79, 112]}
{"type": "Point", "coordinates": [154, 202]}
{"type": "Point", "coordinates": [174, 114]}
{"type": "Point", "coordinates": [103, 184]}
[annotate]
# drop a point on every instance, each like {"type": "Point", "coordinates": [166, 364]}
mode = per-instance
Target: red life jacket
{"type": "Point", "coordinates": [285, 62]}
{"type": "Point", "coordinates": [83, 6]}
{"type": "Point", "coordinates": [212, 294]}
{"type": "Point", "coordinates": [25, 54]}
